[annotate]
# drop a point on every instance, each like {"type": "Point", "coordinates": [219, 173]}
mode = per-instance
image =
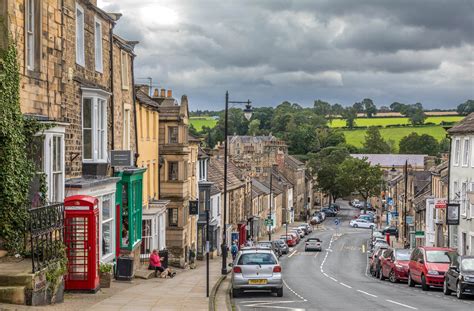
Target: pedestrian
{"type": "Point", "coordinates": [155, 264]}
{"type": "Point", "coordinates": [234, 249]}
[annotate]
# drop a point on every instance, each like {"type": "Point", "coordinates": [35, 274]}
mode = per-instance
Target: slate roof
{"type": "Point", "coordinates": [387, 160]}
{"type": "Point", "coordinates": [144, 99]}
{"type": "Point", "coordinates": [293, 162]}
{"type": "Point", "coordinates": [216, 175]}
{"type": "Point", "coordinates": [465, 126]}
{"type": "Point", "coordinates": [259, 187]}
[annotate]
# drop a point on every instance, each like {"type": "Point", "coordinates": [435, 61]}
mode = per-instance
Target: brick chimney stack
{"type": "Point", "coordinates": [155, 93]}
{"type": "Point", "coordinates": [163, 93]}
{"type": "Point", "coordinates": [170, 94]}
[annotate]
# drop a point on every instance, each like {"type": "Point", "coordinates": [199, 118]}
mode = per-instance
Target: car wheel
{"type": "Point", "coordinates": [411, 283]}
{"type": "Point", "coordinates": [459, 293]}
{"type": "Point", "coordinates": [235, 292]}
{"type": "Point", "coordinates": [446, 289]}
{"type": "Point", "coordinates": [381, 277]}
{"type": "Point", "coordinates": [392, 277]}
{"type": "Point", "coordinates": [355, 226]}
{"type": "Point", "coordinates": [371, 227]}
{"type": "Point", "coordinates": [305, 249]}
{"type": "Point", "coordinates": [424, 286]}
{"type": "Point", "coordinates": [280, 292]}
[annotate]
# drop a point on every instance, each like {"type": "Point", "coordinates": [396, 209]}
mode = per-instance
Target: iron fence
{"type": "Point", "coordinates": [46, 234]}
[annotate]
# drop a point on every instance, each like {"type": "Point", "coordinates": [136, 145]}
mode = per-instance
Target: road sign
{"type": "Point", "coordinates": [268, 222]}
{"type": "Point", "coordinates": [390, 201]}
{"type": "Point", "coordinates": [420, 234]}
{"type": "Point", "coordinates": [409, 220]}
{"type": "Point", "coordinates": [336, 221]}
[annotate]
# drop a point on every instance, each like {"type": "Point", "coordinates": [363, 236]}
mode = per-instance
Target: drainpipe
{"type": "Point", "coordinates": [112, 97]}
{"type": "Point", "coordinates": [449, 184]}
{"type": "Point", "coordinates": [135, 111]}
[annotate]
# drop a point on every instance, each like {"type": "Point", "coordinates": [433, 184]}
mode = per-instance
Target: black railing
{"type": "Point", "coordinates": [46, 234]}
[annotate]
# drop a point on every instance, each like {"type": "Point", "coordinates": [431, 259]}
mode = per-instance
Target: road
{"type": "Point", "coordinates": [337, 279]}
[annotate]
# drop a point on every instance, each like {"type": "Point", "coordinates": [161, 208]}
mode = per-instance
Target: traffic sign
{"type": "Point", "coordinates": [268, 222]}
{"type": "Point", "coordinates": [336, 221]}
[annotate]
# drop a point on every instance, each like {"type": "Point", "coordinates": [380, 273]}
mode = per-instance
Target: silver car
{"type": "Point", "coordinates": [256, 269]}
{"type": "Point", "coordinates": [312, 244]}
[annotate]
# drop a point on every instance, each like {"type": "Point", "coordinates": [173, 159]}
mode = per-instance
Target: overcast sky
{"type": "Point", "coordinates": [301, 50]}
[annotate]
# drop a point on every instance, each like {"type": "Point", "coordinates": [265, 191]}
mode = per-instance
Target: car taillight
{"type": "Point", "coordinates": [277, 269]}
{"type": "Point", "coordinates": [237, 270]}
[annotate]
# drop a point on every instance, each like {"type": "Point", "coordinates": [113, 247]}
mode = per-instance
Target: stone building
{"type": "Point", "coordinates": [176, 174]}
{"type": "Point", "coordinates": [436, 231]}
{"type": "Point", "coordinates": [295, 172]}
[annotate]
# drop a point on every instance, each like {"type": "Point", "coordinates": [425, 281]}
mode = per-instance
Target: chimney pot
{"type": "Point", "coordinates": [170, 94]}
{"type": "Point", "coordinates": [163, 93]}
{"type": "Point", "coordinates": [155, 93]}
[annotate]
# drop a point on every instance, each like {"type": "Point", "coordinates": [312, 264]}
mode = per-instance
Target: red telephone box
{"type": "Point", "coordinates": [81, 236]}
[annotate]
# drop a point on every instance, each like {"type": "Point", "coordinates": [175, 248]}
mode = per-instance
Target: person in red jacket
{"type": "Point", "coordinates": [155, 264]}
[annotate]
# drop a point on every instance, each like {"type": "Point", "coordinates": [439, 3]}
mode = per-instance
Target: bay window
{"type": "Point", "coordinates": [94, 127]}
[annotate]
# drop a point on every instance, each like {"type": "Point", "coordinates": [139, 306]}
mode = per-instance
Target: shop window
{"type": "Point", "coordinates": [173, 217]}
{"type": "Point", "coordinates": [173, 134]}
{"type": "Point", "coordinates": [172, 171]}
{"type": "Point", "coordinates": [131, 193]}
{"type": "Point", "coordinates": [107, 226]}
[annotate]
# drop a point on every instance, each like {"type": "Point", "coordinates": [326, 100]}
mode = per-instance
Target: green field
{"type": "Point", "coordinates": [357, 137]}
{"type": "Point", "coordinates": [199, 122]}
{"type": "Point", "coordinates": [393, 121]}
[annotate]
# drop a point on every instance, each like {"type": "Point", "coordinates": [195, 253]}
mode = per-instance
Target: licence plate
{"type": "Point", "coordinates": [257, 282]}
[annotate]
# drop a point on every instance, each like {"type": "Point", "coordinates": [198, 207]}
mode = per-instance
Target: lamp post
{"type": "Point", "coordinates": [248, 115]}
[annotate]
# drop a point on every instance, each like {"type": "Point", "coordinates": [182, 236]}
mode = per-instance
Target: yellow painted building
{"type": "Point", "coordinates": [154, 209]}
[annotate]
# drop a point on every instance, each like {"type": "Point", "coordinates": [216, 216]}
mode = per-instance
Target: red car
{"type": "Point", "coordinates": [290, 239]}
{"type": "Point", "coordinates": [394, 265]}
{"type": "Point", "coordinates": [428, 265]}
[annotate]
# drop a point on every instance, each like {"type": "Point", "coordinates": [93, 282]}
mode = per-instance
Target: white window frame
{"type": "Point", "coordinates": [80, 33]}
{"type": "Point", "coordinates": [30, 40]}
{"type": "Point", "coordinates": [124, 69]}
{"type": "Point", "coordinates": [99, 65]}
{"type": "Point", "coordinates": [99, 100]}
{"type": "Point", "coordinates": [463, 199]}
{"type": "Point", "coordinates": [126, 129]}
{"type": "Point", "coordinates": [466, 152]}
{"type": "Point", "coordinates": [457, 151]}
{"type": "Point", "coordinates": [109, 256]}
{"type": "Point", "coordinates": [54, 194]}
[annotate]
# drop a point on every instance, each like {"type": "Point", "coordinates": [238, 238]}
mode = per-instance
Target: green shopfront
{"type": "Point", "coordinates": [129, 212]}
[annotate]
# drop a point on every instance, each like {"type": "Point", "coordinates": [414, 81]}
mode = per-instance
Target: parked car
{"type": "Point", "coordinates": [369, 218]}
{"type": "Point", "coordinates": [329, 212]}
{"type": "Point", "coordinates": [270, 245]}
{"type": "Point", "coordinates": [316, 220]}
{"type": "Point", "coordinates": [256, 269]}
{"type": "Point", "coordinates": [355, 203]}
{"type": "Point", "coordinates": [335, 207]}
{"type": "Point", "coordinates": [300, 231]}
{"type": "Point", "coordinates": [313, 244]}
{"type": "Point", "coordinates": [428, 265]}
{"type": "Point", "coordinates": [296, 234]}
{"type": "Point", "coordinates": [290, 239]}
{"type": "Point", "coordinates": [374, 260]}
{"type": "Point", "coordinates": [282, 245]}
{"type": "Point", "coordinates": [460, 277]}
{"type": "Point", "coordinates": [391, 231]}
{"type": "Point", "coordinates": [395, 265]}
{"type": "Point", "coordinates": [361, 223]}
{"type": "Point", "coordinates": [308, 228]}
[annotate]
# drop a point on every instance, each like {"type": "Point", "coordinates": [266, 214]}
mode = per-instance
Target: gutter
{"type": "Point", "coordinates": [134, 99]}
{"type": "Point", "coordinates": [112, 97]}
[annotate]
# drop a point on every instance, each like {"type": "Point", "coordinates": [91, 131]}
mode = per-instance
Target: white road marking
{"type": "Point", "coordinates": [289, 256]}
{"type": "Point", "coordinates": [345, 285]}
{"type": "Point", "coordinates": [401, 304]}
{"type": "Point", "coordinates": [296, 294]}
{"type": "Point", "coordinates": [333, 279]}
{"type": "Point", "coordinates": [365, 293]}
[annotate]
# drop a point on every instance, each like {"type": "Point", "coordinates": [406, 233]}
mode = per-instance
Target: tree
{"type": "Point", "coordinates": [444, 145]}
{"type": "Point", "coordinates": [369, 107]}
{"type": "Point", "coordinates": [254, 127]}
{"type": "Point", "coordinates": [326, 166]}
{"type": "Point", "coordinates": [384, 109]}
{"type": "Point", "coordinates": [329, 137]}
{"type": "Point", "coordinates": [466, 108]}
{"type": "Point", "coordinates": [337, 109]}
{"type": "Point", "coordinates": [359, 175]}
{"type": "Point", "coordinates": [321, 108]}
{"type": "Point", "coordinates": [374, 143]}
{"type": "Point", "coordinates": [416, 116]}
{"type": "Point", "coordinates": [349, 114]}
{"type": "Point", "coordinates": [265, 115]}
{"type": "Point", "coordinates": [419, 144]}
{"type": "Point", "coordinates": [359, 107]}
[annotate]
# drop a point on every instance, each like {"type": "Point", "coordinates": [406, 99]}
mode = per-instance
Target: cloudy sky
{"type": "Point", "coordinates": [301, 50]}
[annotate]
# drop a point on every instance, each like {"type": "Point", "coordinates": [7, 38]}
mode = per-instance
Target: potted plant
{"type": "Point", "coordinates": [105, 274]}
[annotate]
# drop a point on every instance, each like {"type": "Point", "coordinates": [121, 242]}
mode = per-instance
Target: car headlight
{"type": "Point", "coordinates": [469, 278]}
{"type": "Point", "coordinates": [433, 272]}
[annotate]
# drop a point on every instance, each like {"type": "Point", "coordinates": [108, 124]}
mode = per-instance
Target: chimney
{"type": "Point", "coordinates": [170, 94]}
{"type": "Point", "coordinates": [155, 93]}
{"type": "Point", "coordinates": [163, 93]}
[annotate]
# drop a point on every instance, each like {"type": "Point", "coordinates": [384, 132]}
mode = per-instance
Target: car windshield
{"type": "Point", "coordinates": [467, 264]}
{"type": "Point", "coordinates": [313, 239]}
{"type": "Point", "coordinates": [437, 257]}
{"type": "Point", "coordinates": [403, 255]}
{"type": "Point", "coordinates": [257, 259]}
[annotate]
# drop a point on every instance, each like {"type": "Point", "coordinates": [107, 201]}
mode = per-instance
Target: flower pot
{"type": "Point", "coordinates": [105, 279]}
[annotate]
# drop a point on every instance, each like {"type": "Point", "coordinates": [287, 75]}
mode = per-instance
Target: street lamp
{"type": "Point", "coordinates": [248, 114]}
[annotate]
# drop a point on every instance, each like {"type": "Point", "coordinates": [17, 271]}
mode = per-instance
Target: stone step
{"type": "Point", "coordinates": [144, 274]}
{"type": "Point", "coordinates": [21, 279]}
{"type": "Point", "coordinates": [13, 294]}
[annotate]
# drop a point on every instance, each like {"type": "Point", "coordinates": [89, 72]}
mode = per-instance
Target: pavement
{"type": "Point", "coordinates": [337, 278]}
{"type": "Point", "coordinates": [186, 291]}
